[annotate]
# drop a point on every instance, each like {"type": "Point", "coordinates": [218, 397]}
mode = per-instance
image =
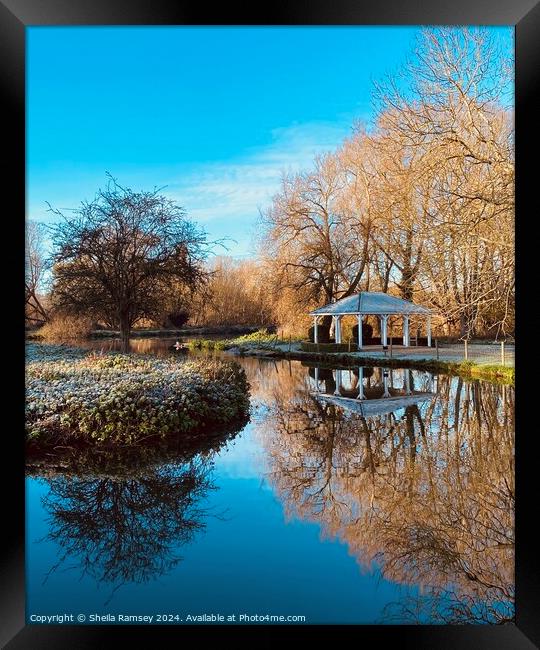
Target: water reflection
{"type": "Point", "coordinates": [424, 490]}
{"type": "Point", "coordinates": [414, 473]}
{"type": "Point", "coordinates": [369, 391]}
{"type": "Point", "coordinates": [158, 346]}
{"type": "Point", "coordinates": [122, 530]}
{"type": "Point", "coordinates": [121, 517]}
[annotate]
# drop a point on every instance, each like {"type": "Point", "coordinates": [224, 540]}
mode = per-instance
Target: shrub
{"type": "Point", "coordinates": [64, 328]}
{"type": "Point", "coordinates": [260, 336]}
{"type": "Point", "coordinates": [323, 334]}
{"type": "Point", "coordinates": [207, 344]}
{"type": "Point", "coordinates": [307, 346]}
{"type": "Point", "coordinates": [367, 332]}
{"type": "Point", "coordinates": [177, 318]}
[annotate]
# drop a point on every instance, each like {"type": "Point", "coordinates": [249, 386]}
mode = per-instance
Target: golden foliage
{"type": "Point", "coordinates": [63, 328]}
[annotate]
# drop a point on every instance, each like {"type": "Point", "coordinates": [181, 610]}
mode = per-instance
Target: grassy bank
{"type": "Point", "coordinates": [262, 344]}
{"type": "Point", "coordinates": [467, 369]}
{"type": "Point", "coordinates": [43, 333]}
{"type": "Point", "coordinates": [77, 397]}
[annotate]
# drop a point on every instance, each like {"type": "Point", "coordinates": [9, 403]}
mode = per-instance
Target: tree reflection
{"type": "Point", "coordinates": [425, 492]}
{"type": "Point", "coordinates": [120, 519]}
{"type": "Point", "coordinates": [127, 529]}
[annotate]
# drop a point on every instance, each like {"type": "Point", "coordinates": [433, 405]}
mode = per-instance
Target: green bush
{"type": "Point", "coordinates": [260, 339]}
{"type": "Point", "coordinates": [207, 344]}
{"type": "Point", "coordinates": [306, 346]}
{"type": "Point", "coordinates": [260, 336]}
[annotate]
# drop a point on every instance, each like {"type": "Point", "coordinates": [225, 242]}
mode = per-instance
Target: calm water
{"type": "Point", "coordinates": [396, 508]}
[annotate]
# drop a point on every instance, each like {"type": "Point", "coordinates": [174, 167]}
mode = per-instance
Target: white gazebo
{"type": "Point", "coordinates": [372, 303]}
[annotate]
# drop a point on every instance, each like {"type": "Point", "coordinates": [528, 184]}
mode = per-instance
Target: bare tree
{"type": "Point", "coordinates": [420, 204]}
{"type": "Point", "coordinates": [315, 234]}
{"type": "Point", "coordinates": [122, 253]}
{"type": "Point", "coordinates": [35, 271]}
{"type": "Point", "coordinates": [455, 126]}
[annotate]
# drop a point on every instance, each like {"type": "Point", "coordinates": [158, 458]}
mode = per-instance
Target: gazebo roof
{"type": "Point", "coordinates": [370, 302]}
{"type": "Point", "coordinates": [373, 407]}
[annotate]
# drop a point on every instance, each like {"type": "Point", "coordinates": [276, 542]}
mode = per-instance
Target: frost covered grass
{"type": "Point", "coordinates": [76, 396]}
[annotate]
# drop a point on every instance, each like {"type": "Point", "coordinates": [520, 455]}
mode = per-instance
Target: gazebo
{"type": "Point", "coordinates": [372, 303]}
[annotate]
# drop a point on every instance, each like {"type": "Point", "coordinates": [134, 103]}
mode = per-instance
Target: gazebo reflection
{"type": "Point", "coordinates": [369, 390]}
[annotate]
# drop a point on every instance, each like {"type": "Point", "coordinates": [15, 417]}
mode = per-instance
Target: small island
{"type": "Point", "coordinates": [79, 397]}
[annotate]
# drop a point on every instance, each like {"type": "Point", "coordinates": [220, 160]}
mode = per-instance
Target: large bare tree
{"type": "Point", "coordinates": [121, 254]}
{"type": "Point", "coordinates": [455, 128]}
{"type": "Point", "coordinates": [316, 233]}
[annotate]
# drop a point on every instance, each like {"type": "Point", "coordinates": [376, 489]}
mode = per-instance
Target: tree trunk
{"type": "Point", "coordinates": [326, 321]}
{"type": "Point", "coordinates": [125, 330]}
{"type": "Point", "coordinates": [406, 285]}
{"type": "Point", "coordinates": [408, 271]}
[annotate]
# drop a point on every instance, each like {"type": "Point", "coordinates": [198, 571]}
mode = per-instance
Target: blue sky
{"type": "Point", "coordinates": [215, 114]}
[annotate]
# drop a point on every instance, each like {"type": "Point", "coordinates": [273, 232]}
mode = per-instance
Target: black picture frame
{"type": "Point", "coordinates": [15, 16]}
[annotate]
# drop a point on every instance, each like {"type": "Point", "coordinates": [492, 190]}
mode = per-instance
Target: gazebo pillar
{"type": "Point", "coordinates": [316, 329]}
{"type": "Point", "coordinates": [385, 384]}
{"type": "Point", "coordinates": [406, 334]}
{"type": "Point", "coordinates": [428, 325]}
{"type": "Point", "coordinates": [361, 383]}
{"type": "Point", "coordinates": [317, 378]}
{"type": "Point", "coordinates": [384, 330]}
{"type": "Point", "coordinates": [337, 328]}
{"type": "Point", "coordinates": [407, 383]}
{"type": "Point", "coordinates": [360, 319]}
{"type": "Point", "coordinates": [338, 383]}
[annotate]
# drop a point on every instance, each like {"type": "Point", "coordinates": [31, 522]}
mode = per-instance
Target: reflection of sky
{"type": "Point", "coordinates": [243, 458]}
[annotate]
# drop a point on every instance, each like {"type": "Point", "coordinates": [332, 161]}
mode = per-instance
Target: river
{"type": "Point", "coordinates": [394, 508]}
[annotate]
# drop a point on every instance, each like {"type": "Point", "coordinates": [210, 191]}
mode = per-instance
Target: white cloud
{"type": "Point", "coordinates": [235, 190]}
{"type": "Point", "coordinates": [224, 196]}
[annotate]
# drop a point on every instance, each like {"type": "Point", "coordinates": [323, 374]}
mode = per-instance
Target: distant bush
{"type": "Point", "coordinates": [63, 327]}
{"type": "Point", "coordinates": [323, 333]}
{"type": "Point", "coordinates": [261, 339]}
{"type": "Point", "coordinates": [177, 318]}
{"type": "Point", "coordinates": [367, 332]}
{"type": "Point", "coordinates": [260, 336]}
{"type": "Point", "coordinates": [207, 344]}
